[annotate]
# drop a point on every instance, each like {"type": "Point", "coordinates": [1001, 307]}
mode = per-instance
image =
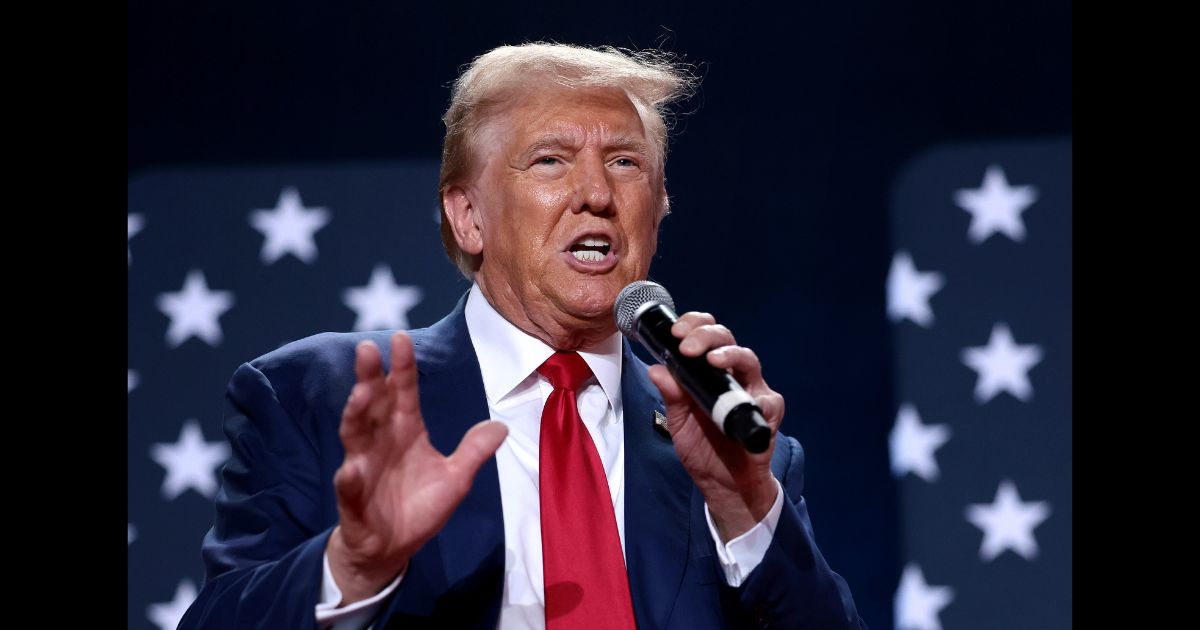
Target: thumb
{"type": "Point", "coordinates": [672, 393]}
{"type": "Point", "coordinates": [476, 446]}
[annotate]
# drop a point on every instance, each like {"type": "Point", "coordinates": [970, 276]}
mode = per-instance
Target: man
{"type": "Point", "coordinates": [338, 507]}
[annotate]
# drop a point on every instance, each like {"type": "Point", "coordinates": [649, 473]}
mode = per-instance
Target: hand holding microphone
{"type": "Point", "coordinates": [645, 312]}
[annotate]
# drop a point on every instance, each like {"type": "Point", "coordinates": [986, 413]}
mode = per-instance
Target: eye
{"type": "Point", "coordinates": [548, 160]}
{"type": "Point", "coordinates": [625, 162]}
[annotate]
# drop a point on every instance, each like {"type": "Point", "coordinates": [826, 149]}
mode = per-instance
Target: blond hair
{"type": "Point", "coordinates": [651, 79]}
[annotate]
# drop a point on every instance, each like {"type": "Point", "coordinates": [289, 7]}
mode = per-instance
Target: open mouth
{"type": "Point", "coordinates": [591, 249]}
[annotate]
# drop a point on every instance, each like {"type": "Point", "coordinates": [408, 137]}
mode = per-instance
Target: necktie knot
{"type": "Point", "coordinates": [566, 370]}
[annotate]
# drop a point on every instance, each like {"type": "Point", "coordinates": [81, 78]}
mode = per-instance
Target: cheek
{"type": "Point", "coordinates": [643, 250]}
{"type": "Point", "coordinates": [536, 210]}
{"type": "Point", "coordinates": [641, 227]}
{"type": "Point", "coordinates": [547, 197]}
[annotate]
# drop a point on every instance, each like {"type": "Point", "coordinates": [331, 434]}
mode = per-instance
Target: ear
{"type": "Point", "coordinates": [464, 220]}
{"type": "Point", "coordinates": [664, 205]}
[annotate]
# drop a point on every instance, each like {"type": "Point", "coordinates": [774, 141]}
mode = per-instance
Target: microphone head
{"type": "Point", "coordinates": [632, 298]}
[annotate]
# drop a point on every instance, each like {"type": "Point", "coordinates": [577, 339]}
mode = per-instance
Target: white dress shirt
{"type": "Point", "coordinates": [516, 394]}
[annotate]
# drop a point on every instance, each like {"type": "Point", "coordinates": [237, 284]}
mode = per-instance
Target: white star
{"type": "Point", "coordinates": [382, 304]}
{"type": "Point", "coordinates": [168, 614]}
{"type": "Point", "coordinates": [995, 206]}
{"type": "Point", "coordinates": [132, 534]}
{"type": "Point", "coordinates": [917, 604]}
{"type": "Point", "coordinates": [1007, 523]}
{"type": "Point", "coordinates": [1002, 365]}
{"type": "Point", "coordinates": [135, 225]}
{"type": "Point", "coordinates": [912, 444]}
{"type": "Point", "coordinates": [289, 228]}
{"type": "Point", "coordinates": [133, 380]}
{"type": "Point", "coordinates": [909, 291]}
{"type": "Point", "coordinates": [190, 462]}
{"type": "Point", "coordinates": [194, 310]}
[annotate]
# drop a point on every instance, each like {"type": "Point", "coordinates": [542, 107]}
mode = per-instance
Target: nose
{"type": "Point", "coordinates": [593, 189]}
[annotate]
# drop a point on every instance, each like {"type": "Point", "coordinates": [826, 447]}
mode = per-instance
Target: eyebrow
{"type": "Point", "coordinates": [559, 141]}
{"type": "Point", "coordinates": [628, 143]}
{"type": "Point", "coordinates": [552, 141]}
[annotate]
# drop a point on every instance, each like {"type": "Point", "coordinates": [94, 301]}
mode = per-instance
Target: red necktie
{"type": "Point", "coordinates": [583, 569]}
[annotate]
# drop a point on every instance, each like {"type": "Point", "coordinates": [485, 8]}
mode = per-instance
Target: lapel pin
{"type": "Point", "coordinates": [660, 423]}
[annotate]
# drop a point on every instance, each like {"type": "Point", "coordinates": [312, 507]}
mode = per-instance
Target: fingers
{"type": "Point", "coordinates": [672, 393]}
{"type": "Point", "coordinates": [360, 397]}
{"type": "Point", "coordinates": [402, 379]}
{"type": "Point", "coordinates": [696, 331]}
{"type": "Point", "coordinates": [700, 334]}
{"type": "Point", "coordinates": [368, 363]}
{"type": "Point", "coordinates": [368, 368]}
{"type": "Point", "coordinates": [772, 407]}
{"type": "Point", "coordinates": [743, 362]}
{"type": "Point", "coordinates": [476, 447]}
{"type": "Point", "coordinates": [378, 399]}
{"type": "Point", "coordinates": [349, 482]}
{"type": "Point", "coordinates": [680, 407]}
{"type": "Point", "coordinates": [355, 430]}
{"type": "Point", "coordinates": [747, 370]}
{"type": "Point", "coordinates": [690, 320]}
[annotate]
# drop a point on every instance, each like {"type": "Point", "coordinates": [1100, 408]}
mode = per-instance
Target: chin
{"type": "Point", "coordinates": [591, 299]}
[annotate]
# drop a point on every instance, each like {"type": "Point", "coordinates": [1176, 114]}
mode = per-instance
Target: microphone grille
{"type": "Point", "coordinates": [632, 297]}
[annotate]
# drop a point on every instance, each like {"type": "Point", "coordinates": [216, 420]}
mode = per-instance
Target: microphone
{"type": "Point", "coordinates": [645, 312]}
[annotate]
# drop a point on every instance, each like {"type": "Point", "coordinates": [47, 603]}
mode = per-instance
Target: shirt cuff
{"type": "Point", "coordinates": [352, 617]}
{"type": "Point", "coordinates": [741, 555]}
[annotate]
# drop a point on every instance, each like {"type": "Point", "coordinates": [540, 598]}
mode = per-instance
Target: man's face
{"type": "Point", "coordinates": [567, 202]}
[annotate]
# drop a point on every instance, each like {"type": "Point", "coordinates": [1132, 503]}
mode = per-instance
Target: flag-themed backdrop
{"type": "Point", "coordinates": [979, 292]}
{"type": "Point", "coordinates": [875, 198]}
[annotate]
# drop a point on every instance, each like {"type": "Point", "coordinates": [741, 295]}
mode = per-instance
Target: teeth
{"type": "Point", "coordinates": [595, 242]}
{"type": "Point", "coordinates": [588, 256]}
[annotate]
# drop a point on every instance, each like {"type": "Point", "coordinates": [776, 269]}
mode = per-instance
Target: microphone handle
{"type": "Point", "coordinates": [731, 408]}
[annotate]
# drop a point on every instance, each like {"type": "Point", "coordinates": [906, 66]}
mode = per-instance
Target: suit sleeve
{"type": "Point", "coordinates": [793, 587]}
{"type": "Point", "coordinates": [263, 557]}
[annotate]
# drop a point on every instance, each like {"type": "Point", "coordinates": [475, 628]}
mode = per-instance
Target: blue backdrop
{"type": "Point", "coordinates": [874, 197]}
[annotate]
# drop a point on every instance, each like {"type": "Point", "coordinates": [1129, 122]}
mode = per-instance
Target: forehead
{"type": "Point", "coordinates": [575, 114]}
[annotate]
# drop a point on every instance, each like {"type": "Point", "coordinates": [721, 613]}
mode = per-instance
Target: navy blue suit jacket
{"type": "Point", "coordinates": [276, 507]}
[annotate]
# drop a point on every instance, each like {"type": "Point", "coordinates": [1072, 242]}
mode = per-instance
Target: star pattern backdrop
{"type": "Point", "coordinates": [226, 265]}
{"type": "Point", "coordinates": [979, 295]}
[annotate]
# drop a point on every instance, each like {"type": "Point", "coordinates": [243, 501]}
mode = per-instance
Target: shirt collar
{"type": "Point", "coordinates": [508, 355]}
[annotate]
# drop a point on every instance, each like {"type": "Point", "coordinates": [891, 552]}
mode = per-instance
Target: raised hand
{"type": "Point", "coordinates": [737, 485]}
{"type": "Point", "coordinates": [395, 491]}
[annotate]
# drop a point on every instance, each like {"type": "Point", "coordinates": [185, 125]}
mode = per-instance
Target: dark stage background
{"type": "Point", "coordinates": [827, 139]}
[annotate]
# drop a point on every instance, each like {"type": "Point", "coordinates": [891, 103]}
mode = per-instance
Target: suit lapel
{"type": "Point", "coordinates": [471, 545]}
{"type": "Point", "coordinates": [657, 499]}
